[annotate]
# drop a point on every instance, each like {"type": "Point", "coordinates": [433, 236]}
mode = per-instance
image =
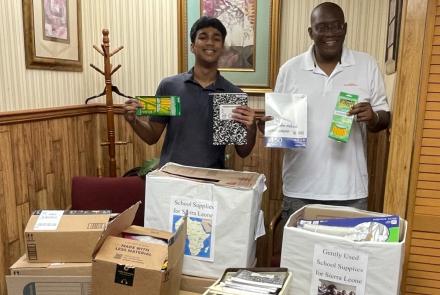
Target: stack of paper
{"type": "Point", "coordinates": [245, 282]}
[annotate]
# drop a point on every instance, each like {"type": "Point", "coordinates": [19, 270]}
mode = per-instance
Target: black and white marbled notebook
{"type": "Point", "coordinates": [225, 129]}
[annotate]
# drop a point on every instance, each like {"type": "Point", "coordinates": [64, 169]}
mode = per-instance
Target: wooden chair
{"type": "Point", "coordinates": [112, 193]}
{"type": "Point", "coordinates": [275, 239]}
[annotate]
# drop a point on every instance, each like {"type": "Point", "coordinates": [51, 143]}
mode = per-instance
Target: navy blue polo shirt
{"type": "Point", "coordinates": [188, 138]}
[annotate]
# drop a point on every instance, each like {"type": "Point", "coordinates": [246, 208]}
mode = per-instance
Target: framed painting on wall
{"type": "Point", "coordinates": [250, 59]}
{"type": "Point", "coordinates": [392, 48]}
{"type": "Point", "coordinates": [52, 34]}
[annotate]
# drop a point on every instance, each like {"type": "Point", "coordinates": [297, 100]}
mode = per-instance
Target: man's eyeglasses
{"type": "Point", "coordinates": [335, 28]}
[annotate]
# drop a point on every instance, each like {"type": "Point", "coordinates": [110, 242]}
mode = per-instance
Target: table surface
{"type": "Point", "coordinates": [188, 293]}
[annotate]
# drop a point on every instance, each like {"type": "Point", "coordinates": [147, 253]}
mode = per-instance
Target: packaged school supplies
{"type": "Point", "coordinates": [158, 106]}
{"type": "Point", "coordinates": [288, 129]}
{"type": "Point", "coordinates": [225, 129]}
{"type": "Point", "coordinates": [375, 229]}
{"type": "Point", "coordinates": [341, 123]}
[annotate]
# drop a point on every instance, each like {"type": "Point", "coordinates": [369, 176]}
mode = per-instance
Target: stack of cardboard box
{"type": "Point", "coordinates": [81, 252]}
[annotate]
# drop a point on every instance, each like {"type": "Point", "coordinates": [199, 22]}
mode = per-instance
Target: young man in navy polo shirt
{"type": "Point", "coordinates": [188, 139]}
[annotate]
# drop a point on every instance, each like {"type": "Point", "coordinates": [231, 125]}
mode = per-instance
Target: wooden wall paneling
{"type": "Point", "coordinates": [5, 193]}
{"type": "Point", "coordinates": [23, 214]}
{"type": "Point", "coordinates": [377, 157]}
{"type": "Point", "coordinates": [4, 245]}
{"type": "Point", "coordinates": [23, 166]}
{"type": "Point", "coordinates": [72, 127]}
{"type": "Point", "coordinates": [404, 116]}
{"type": "Point", "coordinates": [8, 187]}
{"type": "Point", "coordinates": [59, 161]}
{"type": "Point", "coordinates": [423, 209]}
{"type": "Point", "coordinates": [87, 144]}
{"type": "Point", "coordinates": [40, 155]}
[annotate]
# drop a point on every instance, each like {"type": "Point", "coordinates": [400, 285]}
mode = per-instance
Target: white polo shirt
{"type": "Point", "coordinates": [327, 169]}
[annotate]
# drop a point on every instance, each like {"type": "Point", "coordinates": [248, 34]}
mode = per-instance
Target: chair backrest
{"type": "Point", "coordinates": [113, 193]}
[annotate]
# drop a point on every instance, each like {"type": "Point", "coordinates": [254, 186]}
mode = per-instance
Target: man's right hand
{"type": "Point", "coordinates": [130, 107]}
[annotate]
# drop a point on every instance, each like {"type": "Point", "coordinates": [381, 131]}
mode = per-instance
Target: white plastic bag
{"type": "Point", "coordinates": [288, 129]}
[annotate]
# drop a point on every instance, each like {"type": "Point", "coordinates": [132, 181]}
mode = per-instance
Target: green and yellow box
{"type": "Point", "coordinates": [158, 106]}
{"type": "Point", "coordinates": [341, 122]}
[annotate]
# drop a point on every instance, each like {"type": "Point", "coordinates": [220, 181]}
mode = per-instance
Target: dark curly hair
{"type": "Point", "coordinates": [206, 22]}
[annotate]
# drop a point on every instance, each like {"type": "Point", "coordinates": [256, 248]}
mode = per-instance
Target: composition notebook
{"type": "Point", "coordinates": [225, 129]}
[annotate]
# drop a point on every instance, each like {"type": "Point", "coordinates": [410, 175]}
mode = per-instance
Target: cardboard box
{"type": "Point", "coordinates": [126, 266]}
{"type": "Point", "coordinates": [64, 236]}
{"type": "Point", "coordinates": [49, 278]}
{"type": "Point", "coordinates": [224, 216]}
{"type": "Point", "coordinates": [195, 284]}
{"type": "Point", "coordinates": [22, 267]}
{"type": "Point", "coordinates": [319, 260]}
{"type": "Point", "coordinates": [48, 285]}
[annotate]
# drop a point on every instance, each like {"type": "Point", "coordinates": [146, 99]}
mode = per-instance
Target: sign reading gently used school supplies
{"type": "Point", "coordinates": [288, 129]}
{"type": "Point", "coordinates": [338, 269]}
{"type": "Point", "coordinates": [200, 239]}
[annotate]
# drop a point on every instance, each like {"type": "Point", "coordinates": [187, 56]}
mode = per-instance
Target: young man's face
{"type": "Point", "coordinates": [207, 46]}
{"type": "Point", "coordinates": [328, 30]}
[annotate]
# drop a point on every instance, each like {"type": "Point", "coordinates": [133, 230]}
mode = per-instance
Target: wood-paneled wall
{"type": "Point", "coordinates": [422, 264]}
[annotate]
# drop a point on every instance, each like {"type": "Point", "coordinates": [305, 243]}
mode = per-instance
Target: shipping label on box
{"type": "Point", "coordinates": [64, 236]}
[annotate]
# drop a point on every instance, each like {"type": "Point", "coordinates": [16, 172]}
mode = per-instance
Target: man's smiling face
{"type": "Point", "coordinates": [208, 46]}
{"type": "Point", "coordinates": [328, 30]}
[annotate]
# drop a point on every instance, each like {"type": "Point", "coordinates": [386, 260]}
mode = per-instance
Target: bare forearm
{"type": "Point", "coordinates": [382, 121]}
{"type": "Point", "coordinates": [245, 150]}
{"type": "Point", "coordinates": [148, 131]}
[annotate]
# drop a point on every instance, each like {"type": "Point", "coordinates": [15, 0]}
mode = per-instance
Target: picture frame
{"type": "Point", "coordinates": [392, 43]}
{"type": "Point", "coordinates": [52, 34]}
{"type": "Point", "coordinates": [259, 74]}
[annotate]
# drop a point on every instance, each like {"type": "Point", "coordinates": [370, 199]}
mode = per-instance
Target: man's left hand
{"type": "Point", "coordinates": [245, 115]}
{"type": "Point", "coordinates": [364, 113]}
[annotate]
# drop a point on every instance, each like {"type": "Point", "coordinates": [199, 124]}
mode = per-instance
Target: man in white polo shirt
{"type": "Point", "coordinates": [328, 171]}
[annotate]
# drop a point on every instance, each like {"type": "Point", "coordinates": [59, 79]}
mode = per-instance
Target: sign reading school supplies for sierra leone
{"type": "Point", "coordinates": [200, 239]}
{"type": "Point", "coordinates": [344, 269]}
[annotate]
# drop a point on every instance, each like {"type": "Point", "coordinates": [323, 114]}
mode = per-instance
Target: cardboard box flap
{"type": "Point", "coordinates": [243, 180]}
{"type": "Point", "coordinates": [117, 225]}
{"type": "Point", "coordinates": [177, 242]}
{"type": "Point", "coordinates": [144, 231]}
{"type": "Point", "coordinates": [133, 253]}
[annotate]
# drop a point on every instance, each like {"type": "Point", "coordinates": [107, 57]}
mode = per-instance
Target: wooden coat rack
{"type": "Point", "coordinates": [107, 73]}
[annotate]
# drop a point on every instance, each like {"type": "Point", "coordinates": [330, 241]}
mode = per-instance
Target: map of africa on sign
{"type": "Point", "coordinates": [200, 226]}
